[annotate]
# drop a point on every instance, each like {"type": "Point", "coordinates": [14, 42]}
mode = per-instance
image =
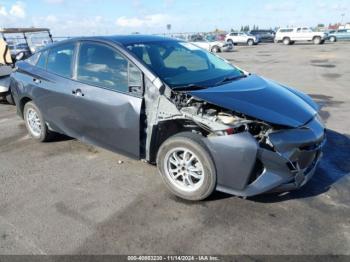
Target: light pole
{"type": "Point", "coordinates": [342, 18]}
{"type": "Point", "coordinates": [168, 27]}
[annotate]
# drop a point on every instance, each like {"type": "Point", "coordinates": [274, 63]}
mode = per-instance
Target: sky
{"type": "Point", "coordinates": [104, 17]}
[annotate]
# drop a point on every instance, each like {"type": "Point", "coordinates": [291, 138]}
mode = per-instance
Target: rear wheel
{"type": "Point", "coordinates": [35, 123]}
{"type": "Point", "coordinates": [9, 98]}
{"type": "Point", "coordinates": [186, 167]}
{"type": "Point", "coordinates": [286, 41]}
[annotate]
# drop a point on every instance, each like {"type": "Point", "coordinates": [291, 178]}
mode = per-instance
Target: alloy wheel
{"type": "Point", "coordinates": [184, 169]}
{"type": "Point", "coordinates": [34, 122]}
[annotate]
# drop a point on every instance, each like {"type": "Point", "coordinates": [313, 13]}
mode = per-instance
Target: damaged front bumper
{"type": "Point", "coordinates": [246, 169]}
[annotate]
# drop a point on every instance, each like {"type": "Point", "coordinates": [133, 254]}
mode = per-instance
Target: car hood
{"type": "Point", "coordinates": [262, 99]}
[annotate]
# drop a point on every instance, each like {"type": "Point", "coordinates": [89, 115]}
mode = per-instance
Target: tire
{"type": "Point", "coordinates": [230, 41]}
{"type": "Point", "coordinates": [333, 39]}
{"type": "Point", "coordinates": [215, 49]}
{"type": "Point", "coordinates": [317, 40]}
{"type": "Point", "coordinates": [185, 185]}
{"type": "Point", "coordinates": [41, 133]}
{"type": "Point", "coordinates": [9, 98]}
{"type": "Point", "coordinates": [286, 41]}
{"type": "Point", "coordinates": [250, 42]}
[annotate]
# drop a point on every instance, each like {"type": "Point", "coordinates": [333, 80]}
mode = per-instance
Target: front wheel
{"type": "Point", "coordinates": [250, 42]}
{"type": "Point", "coordinates": [35, 123]}
{"type": "Point", "coordinates": [317, 40]}
{"type": "Point", "coordinates": [186, 167]}
{"type": "Point", "coordinates": [215, 49]}
{"type": "Point", "coordinates": [333, 39]}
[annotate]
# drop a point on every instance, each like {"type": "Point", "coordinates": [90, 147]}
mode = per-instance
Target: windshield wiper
{"type": "Point", "coordinates": [189, 87]}
{"type": "Point", "coordinates": [229, 79]}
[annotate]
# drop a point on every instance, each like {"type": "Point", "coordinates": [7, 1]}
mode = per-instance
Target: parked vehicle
{"type": "Point", "coordinates": [205, 123]}
{"type": "Point", "coordinates": [341, 34]}
{"type": "Point", "coordinates": [264, 35]}
{"type": "Point", "coordinates": [289, 36]}
{"type": "Point", "coordinates": [220, 37]}
{"type": "Point", "coordinates": [212, 45]}
{"type": "Point", "coordinates": [12, 50]}
{"type": "Point", "coordinates": [242, 38]}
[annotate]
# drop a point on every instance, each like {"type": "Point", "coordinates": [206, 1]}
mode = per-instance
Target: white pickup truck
{"type": "Point", "coordinates": [289, 36]}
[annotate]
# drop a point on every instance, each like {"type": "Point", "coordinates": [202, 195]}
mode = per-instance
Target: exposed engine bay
{"type": "Point", "coordinates": [218, 121]}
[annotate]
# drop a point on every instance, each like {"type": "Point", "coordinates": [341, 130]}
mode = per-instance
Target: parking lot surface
{"type": "Point", "coordinates": [65, 197]}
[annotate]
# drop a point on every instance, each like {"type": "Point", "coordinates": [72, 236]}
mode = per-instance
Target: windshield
{"type": "Point", "coordinates": [181, 64]}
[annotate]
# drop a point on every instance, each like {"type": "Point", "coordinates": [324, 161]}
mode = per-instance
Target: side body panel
{"type": "Point", "coordinates": [101, 117]}
{"type": "Point", "coordinates": [108, 118]}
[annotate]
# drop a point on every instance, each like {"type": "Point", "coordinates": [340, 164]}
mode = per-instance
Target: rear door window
{"type": "Point", "coordinates": [60, 60]}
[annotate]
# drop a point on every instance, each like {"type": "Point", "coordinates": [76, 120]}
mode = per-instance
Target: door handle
{"type": "Point", "coordinates": [78, 92]}
{"type": "Point", "coordinates": [37, 81]}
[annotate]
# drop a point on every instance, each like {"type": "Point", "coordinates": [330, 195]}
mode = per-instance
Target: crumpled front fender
{"type": "Point", "coordinates": [234, 157]}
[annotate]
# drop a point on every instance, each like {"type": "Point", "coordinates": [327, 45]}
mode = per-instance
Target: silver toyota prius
{"type": "Point", "coordinates": [205, 123]}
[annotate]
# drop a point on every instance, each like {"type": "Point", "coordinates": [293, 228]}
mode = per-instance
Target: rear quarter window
{"type": "Point", "coordinates": [60, 60]}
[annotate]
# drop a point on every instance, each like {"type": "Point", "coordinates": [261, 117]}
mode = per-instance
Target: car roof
{"type": "Point", "coordinates": [134, 39]}
{"type": "Point", "coordinates": [117, 39]}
